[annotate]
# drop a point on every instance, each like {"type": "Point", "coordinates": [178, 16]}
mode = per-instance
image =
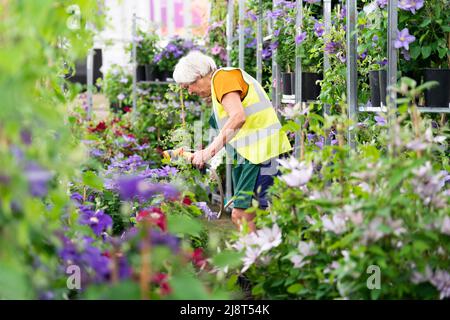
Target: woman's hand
{"type": "Point", "coordinates": [199, 158]}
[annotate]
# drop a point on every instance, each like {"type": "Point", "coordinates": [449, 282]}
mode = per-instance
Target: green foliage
{"type": "Point", "coordinates": [147, 47]}
{"type": "Point", "coordinates": [372, 206]}
{"type": "Point", "coordinates": [311, 48]}
{"type": "Point", "coordinates": [117, 86]}
{"type": "Point", "coordinates": [38, 40]}
{"type": "Point", "coordinates": [430, 26]}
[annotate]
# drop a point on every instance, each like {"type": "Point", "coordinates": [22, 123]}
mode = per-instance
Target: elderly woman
{"type": "Point", "coordinates": [247, 122]}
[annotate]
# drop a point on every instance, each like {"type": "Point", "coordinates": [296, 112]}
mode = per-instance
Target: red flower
{"type": "Point", "coordinates": [118, 133]}
{"type": "Point", "coordinates": [187, 201]}
{"type": "Point", "coordinates": [159, 150]}
{"type": "Point", "coordinates": [154, 215]}
{"type": "Point", "coordinates": [161, 279]}
{"type": "Point", "coordinates": [101, 126]}
{"type": "Point", "coordinates": [198, 258]}
{"type": "Point", "coordinates": [126, 109]}
{"type": "Point", "coordinates": [106, 254]}
{"type": "Point", "coordinates": [115, 120]}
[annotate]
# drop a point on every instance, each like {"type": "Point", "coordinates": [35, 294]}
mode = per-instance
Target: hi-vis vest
{"type": "Point", "coordinates": [261, 137]}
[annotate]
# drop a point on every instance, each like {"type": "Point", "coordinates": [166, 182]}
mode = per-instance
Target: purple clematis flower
{"type": "Point", "coordinates": [25, 136]}
{"type": "Point", "coordinates": [208, 213]}
{"type": "Point", "coordinates": [410, 5]}
{"type": "Point", "coordinates": [171, 47]}
{"type": "Point", "coordinates": [332, 47]}
{"type": "Point", "coordinates": [275, 14]}
{"type": "Point", "coordinates": [382, 3]}
{"type": "Point", "coordinates": [137, 188]}
{"type": "Point", "coordinates": [252, 16]}
{"type": "Point", "coordinates": [38, 179]}
{"type": "Point", "coordinates": [251, 44]}
{"type": "Point", "coordinates": [98, 221]}
{"type": "Point", "coordinates": [319, 28]}
{"type": "Point", "coordinates": [381, 121]}
{"type": "Point", "coordinates": [321, 142]}
{"type": "Point", "coordinates": [403, 39]}
{"type": "Point", "coordinates": [406, 55]}
{"type": "Point", "coordinates": [78, 198]}
{"type": "Point", "coordinates": [343, 13]}
{"type": "Point", "coordinates": [274, 46]}
{"type": "Point", "coordinates": [165, 239]}
{"type": "Point", "coordinates": [300, 38]}
{"type": "Point", "coordinates": [266, 53]}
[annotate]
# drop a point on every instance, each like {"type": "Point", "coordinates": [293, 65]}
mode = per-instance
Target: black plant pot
{"type": "Point", "coordinates": [150, 74]}
{"type": "Point", "coordinates": [374, 82]}
{"type": "Point", "coordinates": [310, 89]}
{"type": "Point", "coordinates": [115, 107]}
{"type": "Point", "coordinates": [165, 75]}
{"type": "Point", "coordinates": [383, 85]}
{"type": "Point", "coordinates": [140, 73]}
{"type": "Point", "coordinates": [438, 96]}
{"type": "Point", "coordinates": [378, 83]}
{"type": "Point", "coordinates": [288, 83]}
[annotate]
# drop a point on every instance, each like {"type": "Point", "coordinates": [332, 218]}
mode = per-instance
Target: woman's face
{"type": "Point", "coordinates": [200, 87]}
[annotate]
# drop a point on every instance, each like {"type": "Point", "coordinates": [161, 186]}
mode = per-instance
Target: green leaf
{"type": "Point", "coordinates": [294, 288]}
{"type": "Point", "coordinates": [427, 85]}
{"type": "Point", "coordinates": [90, 179]}
{"type": "Point", "coordinates": [182, 224]}
{"type": "Point", "coordinates": [375, 294]}
{"type": "Point", "coordinates": [425, 22]}
{"type": "Point", "coordinates": [426, 51]}
{"type": "Point", "coordinates": [414, 52]}
{"type": "Point", "coordinates": [442, 52]}
{"type": "Point", "coordinates": [13, 284]}
{"type": "Point", "coordinates": [228, 258]}
{"type": "Point", "coordinates": [187, 287]}
{"type": "Point", "coordinates": [420, 245]}
{"type": "Point", "coordinates": [127, 290]}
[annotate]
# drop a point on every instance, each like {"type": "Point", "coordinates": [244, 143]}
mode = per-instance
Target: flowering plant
{"type": "Point", "coordinates": [285, 37]}
{"type": "Point", "coordinates": [428, 26]}
{"type": "Point", "coordinates": [215, 37]}
{"type": "Point", "coordinates": [168, 57]}
{"type": "Point", "coordinates": [117, 86]}
{"type": "Point", "coordinates": [338, 216]}
{"type": "Point", "coordinates": [146, 47]}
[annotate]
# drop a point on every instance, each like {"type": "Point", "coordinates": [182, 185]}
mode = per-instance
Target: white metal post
{"type": "Point", "coordinates": [228, 160]}
{"type": "Point", "coordinates": [241, 34]}
{"type": "Point", "coordinates": [134, 66]}
{"type": "Point", "coordinates": [259, 44]}
{"type": "Point", "coordinates": [392, 54]}
{"type": "Point", "coordinates": [352, 87]}
{"type": "Point", "coordinates": [90, 80]}
{"type": "Point", "coordinates": [170, 17]}
{"type": "Point", "coordinates": [298, 71]}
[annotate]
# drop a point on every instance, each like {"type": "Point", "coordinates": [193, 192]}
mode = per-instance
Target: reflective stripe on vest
{"type": "Point", "coordinates": [261, 137]}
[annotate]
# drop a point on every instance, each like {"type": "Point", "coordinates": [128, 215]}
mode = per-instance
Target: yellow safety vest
{"type": "Point", "coordinates": [261, 137]}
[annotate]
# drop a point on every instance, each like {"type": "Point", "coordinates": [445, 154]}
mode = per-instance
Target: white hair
{"type": "Point", "coordinates": [193, 66]}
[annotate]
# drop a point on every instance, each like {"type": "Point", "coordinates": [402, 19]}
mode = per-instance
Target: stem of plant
{"type": "Point", "coordinates": [182, 108]}
{"type": "Point", "coordinates": [115, 265]}
{"type": "Point", "coordinates": [145, 275]}
{"type": "Point", "coordinates": [416, 123]}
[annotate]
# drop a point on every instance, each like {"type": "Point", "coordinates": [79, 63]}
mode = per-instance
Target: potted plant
{"type": "Point", "coordinates": [146, 49]}
{"type": "Point", "coordinates": [372, 47]}
{"type": "Point", "coordinates": [310, 50]}
{"type": "Point", "coordinates": [429, 56]}
{"type": "Point", "coordinates": [117, 86]}
{"type": "Point", "coordinates": [168, 57]}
